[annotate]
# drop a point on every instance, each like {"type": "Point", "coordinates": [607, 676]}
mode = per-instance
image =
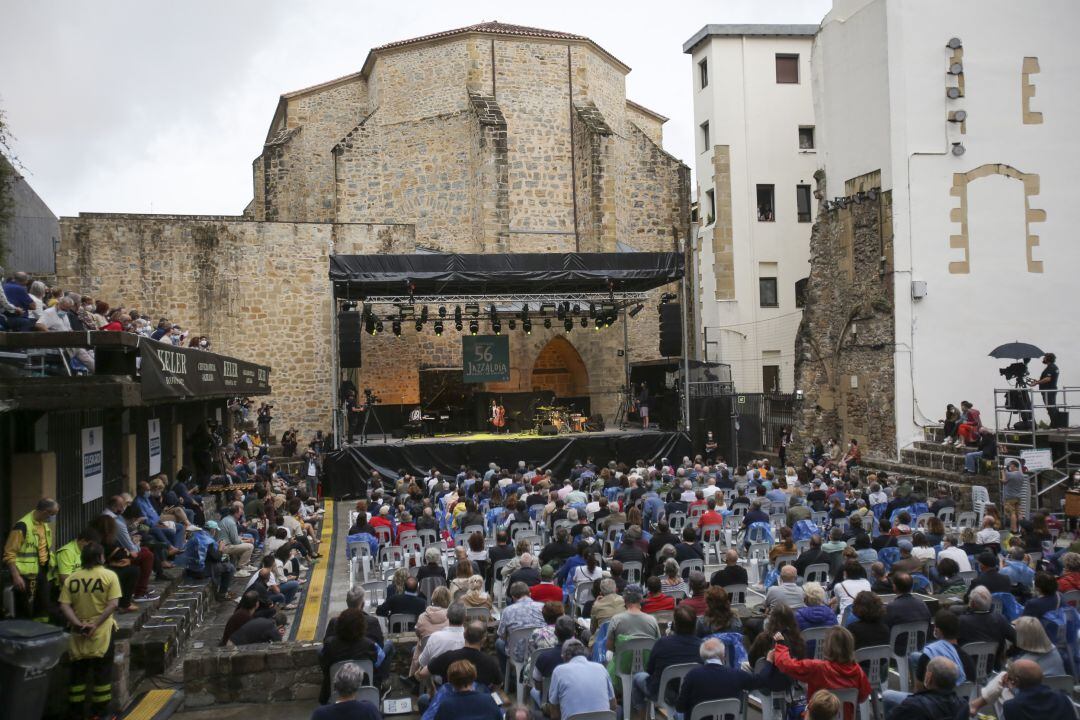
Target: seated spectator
{"type": "Point", "coordinates": [631, 624]}
{"type": "Point", "coordinates": [812, 555]}
{"type": "Point", "coordinates": [780, 620]}
{"type": "Point", "coordinates": [879, 580]}
{"type": "Point", "coordinates": [526, 572]}
{"type": "Point", "coordinates": [522, 612]}
{"type": "Point", "coordinates": [546, 590]}
{"type": "Point", "coordinates": [854, 582]}
{"type": "Point", "coordinates": [543, 637]}
{"type": "Point", "coordinates": [836, 542]}
{"type": "Point", "coordinates": [260, 630]}
{"type": "Point", "coordinates": [944, 644]}
{"type": "Point", "coordinates": [935, 532]}
{"type": "Point", "coordinates": [655, 600]}
{"type": "Point", "coordinates": [1033, 701]}
{"type": "Point", "coordinates": [989, 575]}
{"type": "Point", "coordinates": [488, 671]}
{"type": "Point", "coordinates": [696, 601]}
{"type": "Point", "coordinates": [714, 680]}
{"type": "Point", "coordinates": [786, 546]}
{"type": "Point", "coordinates": [937, 700]}
{"type": "Point", "coordinates": [869, 628]}
{"type": "Point", "coordinates": [347, 684]}
{"type": "Point", "coordinates": [676, 649]}
{"type": "Point", "coordinates": [245, 610]}
{"type": "Point", "coordinates": [575, 684]}
{"type": "Point", "coordinates": [450, 637]}
{"type": "Point", "coordinates": [1032, 645]}
{"type": "Point", "coordinates": [718, 617]}
{"type": "Point", "coordinates": [864, 553]}
{"type": "Point", "coordinates": [786, 591]}
{"type": "Point", "coordinates": [987, 450]}
{"type": "Point", "coordinates": [950, 548]}
{"type": "Point", "coordinates": [1070, 580]}
{"type": "Point", "coordinates": [907, 563]}
{"type": "Point", "coordinates": [921, 547]}
{"type": "Point", "coordinates": [823, 706]}
{"type": "Point", "coordinates": [432, 566]}
{"type": "Point", "coordinates": [410, 601]}
{"type": "Point", "coordinates": [607, 605]}
{"type": "Point", "coordinates": [475, 596]}
{"type": "Point", "coordinates": [981, 623]}
{"type": "Point", "coordinates": [689, 548]}
{"type": "Point", "coordinates": [349, 642]}
{"type": "Point", "coordinates": [814, 612]}
{"type": "Point", "coordinates": [548, 660]}
{"type": "Point", "coordinates": [968, 544]}
{"type": "Point", "coordinates": [1016, 568]}
{"type": "Point", "coordinates": [464, 701]}
{"type": "Point", "coordinates": [989, 535]}
{"type": "Point", "coordinates": [946, 577]}
{"type": "Point", "coordinates": [354, 599]}
{"type": "Point", "coordinates": [734, 574]}
{"type": "Point", "coordinates": [837, 671]}
{"type": "Point", "coordinates": [672, 581]}
{"type": "Point", "coordinates": [1046, 596]}
{"type": "Point", "coordinates": [434, 617]}
{"type": "Point", "coordinates": [905, 608]}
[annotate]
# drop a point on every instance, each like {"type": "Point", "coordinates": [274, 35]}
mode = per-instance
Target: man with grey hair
{"type": "Point", "coordinates": [1017, 569]}
{"type": "Point", "coordinates": [786, 591]}
{"type": "Point", "coordinates": [981, 623]}
{"type": "Point", "coordinates": [950, 548]}
{"type": "Point", "coordinates": [451, 637]}
{"type": "Point", "coordinates": [633, 623]}
{"type": "Point", "coordinates": [57, 319]}
{"type": "Point", "coordinates": [575, 685]}
{"type": "Point", "coordinates": [527, 572]}
{"type": "Point", "coordinates": [714, 680]}
{"type": "Point", "coordinates": [608, 605]}
{"type": "Point", "coordinates": [347, 683]}
{"type": "Point", "coordinates": [523, 612]}
{"type": "Point", "coordinates": [355, 599]}
{"type": "Point", "coordinates": [937, 699]}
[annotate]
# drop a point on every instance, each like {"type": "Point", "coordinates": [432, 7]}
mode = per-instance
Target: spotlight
{"type": "Point", "coordinates": [568, 324]}
{"type": "Point", "coordinates": [457, 325]}
{"type": "Point", "coordinates": [369, 325]}
{"type": "Point", "coordinates": [396, 327]}
{"type": "Point", "coordinates": [378, 327]}
{"type": "Point", "coordinates": [442, 311]}
{"type": "Point", "coordinates": [474, 327]}
{"type": "Point", "coordinates": [667, 297]}
{"type": "Point", "coordinates": [547, 323]}
{"type": "Point", "coordinates": [496, 327]}
{"type": "Point", "coordinates": [438, 328]}
{"type": "Point", "coordinates": [513, 323]}
{"type": "Point", "coordinates": [419, 325]}
{"type": "Point", "coordinates": [584, 322]}
{"type": "Point", "coordinates": [561, 312]}
{"type": "Point", "coordinates": [526, 325]}
{"type": "Point", "coordinates": [635, 310]}
{"type": "Point", "coordinates": [577, 309]}
{"type": "Point", "coordinates": [423, 314]}
{"type": "Point", "coordinates": [599, 324]}
{"type": "Point", "coordinates": [592, 310]}
{"type": "Point", "coordinates": [457, 316]}
{"type": "Point", "coordinates": [472, 309]}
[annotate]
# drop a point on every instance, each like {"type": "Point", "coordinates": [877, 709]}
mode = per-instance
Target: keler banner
{"type": "Point", "coordinates": [485, 358]}
{"type": "Point", "coordinates": [168, 371]}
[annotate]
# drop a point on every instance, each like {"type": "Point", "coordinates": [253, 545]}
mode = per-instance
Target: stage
{"type": "Point", "coordinates": [347, 469]}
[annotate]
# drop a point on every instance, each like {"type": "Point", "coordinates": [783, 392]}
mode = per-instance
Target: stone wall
{"type": "Point", "coordinates": [252, 674]}
{"type": "Point", "coordinates": [261, 291]}
{"type": "Point", "coordinates": [844, 347]}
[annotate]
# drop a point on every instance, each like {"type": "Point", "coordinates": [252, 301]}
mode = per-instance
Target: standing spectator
{"type": "Point", "coordinates": [1013, 488]}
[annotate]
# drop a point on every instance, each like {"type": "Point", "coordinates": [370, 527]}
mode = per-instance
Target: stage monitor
{"type": "Point", "coordinates": [485, 358]}
{"type": "Point", "coordinates": [349, 331]}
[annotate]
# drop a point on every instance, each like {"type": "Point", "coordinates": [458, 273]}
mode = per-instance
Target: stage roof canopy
{"type": "Point", "coordinates": [357, 277]}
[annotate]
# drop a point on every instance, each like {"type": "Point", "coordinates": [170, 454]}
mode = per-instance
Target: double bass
{"type": "Point", "coordinates": [498, 415]}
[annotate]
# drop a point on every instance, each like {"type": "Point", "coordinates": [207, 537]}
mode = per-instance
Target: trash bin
{"type": "Point", "coordinates": [28, 651]}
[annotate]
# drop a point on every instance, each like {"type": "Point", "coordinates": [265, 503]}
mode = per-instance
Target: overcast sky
{"type": "Point", "coordinates": [148, 106]}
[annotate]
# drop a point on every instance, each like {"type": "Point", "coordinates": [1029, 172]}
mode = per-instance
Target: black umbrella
{"type": "Point", "coordinates": [1016, 351]}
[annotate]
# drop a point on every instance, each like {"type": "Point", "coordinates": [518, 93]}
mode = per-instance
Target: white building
{"type": "Point", "coordinates": [984, 211]}
{"type": "Point", "coordinates": [755, 160]}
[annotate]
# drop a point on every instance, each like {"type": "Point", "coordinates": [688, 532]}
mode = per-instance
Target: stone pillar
{"type": "Point", "coordinates": [37, 479]}
{"type": "Point", "coordinates": [129, 461]}
{"type": "Point", "coordinates": [178, 449]}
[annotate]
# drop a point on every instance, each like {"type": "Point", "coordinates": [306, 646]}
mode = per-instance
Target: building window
{"type": "Point", "coordinates": [766, 203]}
{"type": "Point", "coordinates": [705, 136]}
{"type": "Point", "coordinates": [767, 291]}
{"type": "Point", "coordinates": [800, 292]}
{"type": "Point", "coordinates": [770, 378]}
{"type": "Point", "coordinates": [802, 202]}
{"type": "Point", "coordinates": [787, 68]}
{"type": "Point", "coordinates": [703, 72]}
{"type": "Point", "coordinates": [710, 207]}
{"type": "Point", "coordinates": [806, 137]}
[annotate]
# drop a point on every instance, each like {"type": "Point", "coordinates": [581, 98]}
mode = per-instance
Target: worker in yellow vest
{"type": "Point", "coordinates": [29, 557]}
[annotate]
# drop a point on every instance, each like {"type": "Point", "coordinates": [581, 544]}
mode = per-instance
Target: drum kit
{"type": "Point", "coordinates": [564, 419]}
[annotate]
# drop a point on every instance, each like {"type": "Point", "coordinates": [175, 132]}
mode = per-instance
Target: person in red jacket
{"type": "Point", "coordinates": [838, 671]}
{"type": "Point", "coordinates": [655, 600]}
{"type": "Point", "coordinates": [1070, 580]}
{"type": "Point", "coordinates": [546, 590]}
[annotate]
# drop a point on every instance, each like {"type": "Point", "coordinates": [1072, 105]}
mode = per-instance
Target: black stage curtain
{"type": "Point", "coordinates": [358, 276]}
{"type": "Point", "coordinates": [347, 470]}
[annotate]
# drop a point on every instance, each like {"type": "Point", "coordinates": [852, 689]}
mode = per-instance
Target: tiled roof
{"type": "Point", "coordinates": [495, 27]}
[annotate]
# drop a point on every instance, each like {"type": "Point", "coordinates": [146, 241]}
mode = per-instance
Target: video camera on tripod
{"type": "Point", "coordinates": [370, 398]}
{"type": "Point", "coordinates": [1017, 373]}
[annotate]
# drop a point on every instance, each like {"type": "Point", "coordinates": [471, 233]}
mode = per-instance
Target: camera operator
{"type": "Point", "coordinates": [1048, 382]}
{"type": "Point", "coordinates": [263, 421]}
{"type": "Point", "coordinates": [354, 415]}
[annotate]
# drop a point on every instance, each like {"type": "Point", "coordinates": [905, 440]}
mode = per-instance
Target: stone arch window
{"type": "Point", "coordinates": [960, 214]}
{"type": "Point", "coordinates": [560, 369]}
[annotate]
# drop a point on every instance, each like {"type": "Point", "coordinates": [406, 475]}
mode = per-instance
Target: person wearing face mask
{"type": "Point", "coordinates": [176, 335]}
{"type": "Point", "coordinates": [29, 556]}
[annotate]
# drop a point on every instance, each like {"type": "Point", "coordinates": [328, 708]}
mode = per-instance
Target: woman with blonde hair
{"type": "Point", "coordinates": [815, 612]}
{"type": "Point", "coordinates": [432, 619]}
{"type": "Point", "coordinates": [475, 595]}
{"type": "Point", "coordinates": [1032, 643]}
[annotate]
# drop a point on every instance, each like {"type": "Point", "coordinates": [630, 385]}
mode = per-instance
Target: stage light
{"type": "Point", "coordinates": [423, 314]}
{"type": "Point", "coordinates": [396, 327]}
{"type": "Point", "coordinates": [369, 324]}
{"type": "Point", "coordinates": [584, 322]}
{"type": "Point", "coordinates": [513, 323]}
{"type": "Point", "coordinates": [667, 297]}
{"type": "Point", "coordinates": [496, 327]}
{"type": "Point", "coordinates": [438, 328]}
{"type": "Point", "coordinates": [457, 315]}
{"type": "Point", "coordinates": [442, 311]}
{"type": "Point", "coordinates": [599, 324]}
{"type": "Point", "coordinates": [526, 325]}
{"type": "Point", "coordinates": [491, 310]}
{"type": "Point", "coordinates": [592, 310]}
{"type": "Point", "coordinates": [474, 327]}
{"type": "Point", "coordinates": [457, 325]}
{"type": "Point", "coordinates": [568, 324]}
{"type": "Point", "coordinates": [419, 325]}
{"type": "Point", "coordinates": [577, 309]}
{"type": "Point", "coordinates": [547, 308]}
{"type": "Point", "coordinates": [378, 327]}
{"type": "Point", "coordinates": [547, 323]}
{"type": "Point", "coordinates": [561, 312]}
{"type": "Point", "coordinates": [636, 309]}
{"type": "Point", "coordinates": [472, 309]}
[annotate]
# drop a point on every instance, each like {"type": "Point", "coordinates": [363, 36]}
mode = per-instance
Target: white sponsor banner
{"type": "Point", "coordinates": [93, 463]}
{"type": "Point", "coordinates": [155, 446]}
{"type": "Point", "coordinates": [1037, 459]}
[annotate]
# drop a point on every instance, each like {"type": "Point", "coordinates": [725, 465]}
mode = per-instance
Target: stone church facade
{"type": "Point", "coordinates": [487, 139]}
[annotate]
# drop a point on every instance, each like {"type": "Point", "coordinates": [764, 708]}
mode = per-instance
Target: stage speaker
{"type": "Point", "coordinates": [548, 429]}
{"type": "Point", "coordinates": [349, 331]}
{"type": "Point", "coordinates": [671, 330]}
{"type": "Point", "coordinates": [595, 423]}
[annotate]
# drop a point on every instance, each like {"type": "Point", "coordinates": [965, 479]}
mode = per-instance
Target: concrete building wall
{"type": "Point", "coordinates": [753, 139]}
{"type": "Point", "coordinates": [988, 231]}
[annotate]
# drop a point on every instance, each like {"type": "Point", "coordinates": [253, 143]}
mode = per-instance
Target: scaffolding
{"type": "Point", "coordinates": [1032, 426]}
